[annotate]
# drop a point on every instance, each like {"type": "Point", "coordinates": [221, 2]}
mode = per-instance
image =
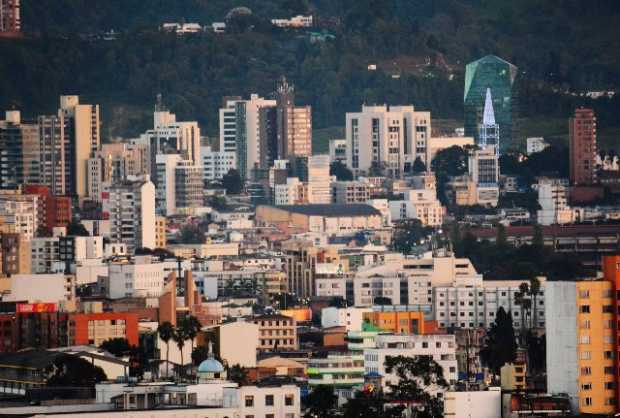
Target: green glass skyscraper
{"type": "Point", "coordinates": [499, 76]}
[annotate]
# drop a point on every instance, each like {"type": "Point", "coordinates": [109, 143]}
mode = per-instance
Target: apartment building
{"type": "Point", "coordinates": [386, 139]}
{"type": "Point", "coordinates": [96, 328]}
{"type": "Point", "coordinates": [276, 333]}
{"type": "Point", "coordinates": [20, 213]}
{"type": "Point", "coordinates": [476, 306]}
{"type": "Point", "coordinates": [582, 147]}
{"type": "Point", "coordinates": [294, 124]}
{"type": "Point", "coordinates": [14, 254]}
{"type": "Point", "coordinates": [341, 370]}
{"type": "Point", "coordinates": [140, 278]}
{"type": "Point", "coordinates": [347, 192]}
{"type": "Point", "coordinates": [398, 321]}
{"type": "Point", "coordinates": [130, 208]}
{"type": "Point", "coordinates": [421, 204]}
{"type": "Point", "coordinates": [553, 197]}
{"type": "Point", "coordinates": [216, 164]}
{"type": "Point", "coordinates": [442, 348]}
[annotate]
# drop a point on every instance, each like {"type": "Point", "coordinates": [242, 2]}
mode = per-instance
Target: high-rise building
{"type": "Point", "coordinates": [10, 21]}
{"type": "Point", "coordinates": [113, 163]}
{"type": "Point", "coordinates": [387, 140]}
{"type": "Point", "coordinates": [55, 148]}
{"type": "Point", "coordinates": [319, 190]}
{"type": "Point", "coordinates": [215, 164]}
{"type": "Point", "coordinates": [499, 76]}
{"type": "Point", "coordinates": [247, 129]}
{"type": "Point", "coordinates": [179, 185]}
{"type": "Point", "coordinates": [55, 210]}
{"type": "Point", "coordinates": [130, 207]}
{"type": "Point", "coordinates": [170, 137]}
{"type": "Point", "coordinates": [582, 147]}
{"type": "Point", "coordinates": [484, 173]}
{"type": "Point", "coordinates": [19, 151]}
{"type": "Point", "coordinates": [82, 130]}
{"type": "Point", "coordinates": [582, 340]}
{"type": "Point", "coordinates": [294, 124]}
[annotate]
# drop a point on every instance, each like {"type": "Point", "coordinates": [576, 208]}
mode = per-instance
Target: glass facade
{"type": "Point", "coordinates": [498, 75]}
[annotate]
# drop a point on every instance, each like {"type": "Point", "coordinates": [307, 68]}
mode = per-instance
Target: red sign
{"type": "Point", "coordinates": [36, 307]}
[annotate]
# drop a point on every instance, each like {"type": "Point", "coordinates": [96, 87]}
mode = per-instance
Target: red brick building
{"type": "Point", "coordinates": [95, 328]}
{"type": "Point", "coordinates": [56, 209]}
{"type": "Point", "coordinates": [582, 147]}
{"type": "Point", "coordinates": [9, 17]}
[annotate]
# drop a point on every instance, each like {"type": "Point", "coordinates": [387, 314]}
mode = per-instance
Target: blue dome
{"type": "Point", "coordinates": [210, 366]}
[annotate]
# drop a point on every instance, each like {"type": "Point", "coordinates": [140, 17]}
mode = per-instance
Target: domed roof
{"type": "Point", "coordinates": [210, 366]}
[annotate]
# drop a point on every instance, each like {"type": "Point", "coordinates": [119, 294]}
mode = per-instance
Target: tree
{"type": "Point", "coordinates": [321, 402]}
{"type": "Point", "coordinates": [117, 346]}
{"type": "Point", "coordinates": [179, 336]}
{"type": "Point", "coordinates": [191, 234]}
{"type": "Point", "coordinates": [341, 171]}
{"type": "Point", "coordinates": [166, 331]}
{"type": "Point", "coordinates": [500, 346]}
{"type": "Point", "coordinates": [232, 182]}
{"type": "Point", "coordinates": [69, 370]}
{"type": "Point", "coordinates": [77, 229]}
{"type": "Point", "coordinates": [534, 290]}
{"type": "Point", "coordinates": [408, 234]}
{"type": "Point", "coordinates": [418, 378]}
{"type": "Point", "coordinates": [418, 166]}
{"type": "Point", "coordinates": [238, 374]}
{"type": "Point", "coordinates": [191, 326]}
{"type": "Point", "coordinates": [370, 405]}
{"type": "Point", "coordinates": [199, 354]}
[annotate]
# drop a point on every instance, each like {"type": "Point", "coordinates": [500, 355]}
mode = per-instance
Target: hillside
{"type": "Point", "coordinates": [420, 48]}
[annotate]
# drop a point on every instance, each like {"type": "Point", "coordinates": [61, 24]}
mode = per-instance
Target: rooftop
{"type": "Point", "coordinates": [332, 210]}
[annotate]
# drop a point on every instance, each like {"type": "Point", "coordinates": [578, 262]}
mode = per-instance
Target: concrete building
{"type": "Point", "coordinates": [535, 144]}
{"type": "Point", "coordinates": [276, 333]}
{"type": "Point", "coordinates": [19, 150]}
{"type": "Point", "coordinates": [55, 155]}
{"type": "Point", "coordinates": [582, 147]}
{"type": "Point", "coordinates": [436, 144]}
{"type": "Point", "coordinates": [470, 404]}
{"type": "Point", "coordinates": [294, 124]}
{"type": "Point", "coordinates": [82, 126]}
{"type": "Point", "coordinates": [351, 318]}
{"type": "Point", "coordinates": [10, 17]}
{"type": "Point", "coordinates": [319, 191]}
{"type": "Point", "coordinates": [249, 130]}
{"type": "Point", "coordinates": [421, 204]}
{"type": "Point", "coordinates": [580, 351]}
{"type": "Point", "coordinates": [327, 219]}
{"type": "Point", "coordinates": [14, 254]}
{"type": "Point", "coordinates": [114, 163]}
{"type": "Point", "coordinates": [169, 136]}
{"type": "Point", "coordinates": [46, 288]}
{"type": "Point", "coordinates": [484, 173]}
{"type": "Point", "coordinates": [215, 164]}
{"type": "Point", "coordinates": [553, 199]}
{"type": "Point", "coordinates": [160, 232]}
{"type": "Point", "coordinates": [442, 348]}
{"type": "Point", "coordinates": [340, 370]}
{"type": "Point", "coordinates": [338, 151]}
{"type": "Point", "coordinates": [386, 139]}
{"type": "Point", "coordinates": [293, 192]}
{"type": "Point", "coordinates": [95, 328]}
{"type": "Point", "coordinates": [512, 377]}
{"type": "Point", "coordinates": [20, 213]}
{"type": "Point", "coordinates": [131, 210]}
{"type": "Point", "coordinates": [237, 343]}
{"type": "Point", "coordinates": [348, 192]}
{"type": "Point", "coordinates": [142, 278]}
{"type": "Point", "coordinates": [55, 254]}
{"type": "Point", "coordinates": [398, 322]}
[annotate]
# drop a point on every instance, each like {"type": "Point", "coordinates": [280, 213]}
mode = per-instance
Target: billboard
{"type": "Point", "coordinates": [36, 307]}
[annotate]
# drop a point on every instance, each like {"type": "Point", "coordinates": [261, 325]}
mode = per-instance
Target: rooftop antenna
{"type": "Point", "coordinates": [159, 103]}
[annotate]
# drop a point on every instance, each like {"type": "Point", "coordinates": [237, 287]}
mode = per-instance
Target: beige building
{"type": "Point", "coordinates": [205, 250]}
{"type": "Point", "coordinates": [82, 127]}
{"type": "Point", "coordinates": [332, 219]}
{"type": "Point", "coordinates": [160, 232]}
{"type": "Point", "coordinates": [276, 332]}
{"type": "Point", "coordinates": [237, 343]}
{"type": "Point", "coordinates": [513, 376]}
{"type": "Point", "coordinates": [294, 132]}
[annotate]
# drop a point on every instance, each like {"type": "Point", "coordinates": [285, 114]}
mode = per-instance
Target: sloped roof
{"type": "Point", "coordinates": [332, 210]}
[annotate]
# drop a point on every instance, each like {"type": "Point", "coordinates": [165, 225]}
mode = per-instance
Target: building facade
{"type": "Point", "coordinates": [582, 147]}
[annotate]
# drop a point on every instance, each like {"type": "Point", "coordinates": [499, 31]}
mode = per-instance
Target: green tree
{"type": "Point", "coordinates": [191, 234]}
{"type": "Point", "coordinates": [341, 171]}
{"type": "Point", "coordinates": [321, 402]}
{"type": "Point", "coordinates": [408, 234]}
{"type": "Point", "coordinates": [180, 336]}
{"type": "Point", "coordinates": [418, 166]}
{"type": "Point", "coordinates": [500, 345]}
{"type": "Point", "coordinates": [199, 354]}
{"type": "Point", "coordinates": [191, 326]}
{"type": "Point", "coordinates": [69, 370]}
{"type": "Point", "coordinates": [166, 332]}
{"type": "Point", "coordinates": [238, 374]}
{"type": "Point", "coordinates": [77, 229]}
{"type": "Point", "coordinates": [117, 346]}
{"type": "Point", "coordinates": [232, 182]}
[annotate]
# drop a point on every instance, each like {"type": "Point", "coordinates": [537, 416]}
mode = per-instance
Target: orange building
{"type": "Point", "coordinates": [611, 273]}
{"type": "Point", "coordinates": [95, 328]}
{"type": "Point", "coordinates": [400, 322]}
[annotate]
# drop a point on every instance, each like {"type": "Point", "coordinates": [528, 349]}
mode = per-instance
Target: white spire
{"type": "Point", "coordinates": [488, 119]}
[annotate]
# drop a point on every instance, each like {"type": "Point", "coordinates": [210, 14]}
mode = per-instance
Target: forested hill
{"type": "Point", "coordinates": [419, 46]}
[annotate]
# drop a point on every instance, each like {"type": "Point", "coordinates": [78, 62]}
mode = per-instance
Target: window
{"type": "Point", "coordinates": [610, 385]}
{"type": "Point", "coordinates": [585, 355]}
{"type": "Point", "coordinates": [587, 401]}
{"type": "Point", "coordinates": [289, 400]}
{"type": "Point", "coordinates": [268, 400]}
{"type": "Point", "coordinates": [586, 386]}
{"type": "Point", "coordinates": [584, 309]}
{"type": "Point", "coordinates": [249, 401]}
{"type": "Point", "coordinates": [269, 416]}
{"type": "Point", "coordinates": [586, 371]}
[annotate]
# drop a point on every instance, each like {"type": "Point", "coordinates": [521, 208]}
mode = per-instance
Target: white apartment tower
{"type": "Point", "coordinates": [386, 139]}
{"type": "Point", "coordinates": [319, 190]}
{"type": "Point", "coordinates": [131, 211]}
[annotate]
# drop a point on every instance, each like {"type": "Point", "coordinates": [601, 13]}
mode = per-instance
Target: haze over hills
{"type": "Point", "coordinates": [420, 49]}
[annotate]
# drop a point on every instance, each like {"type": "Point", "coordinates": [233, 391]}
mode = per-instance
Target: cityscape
{"type": "Point", "coordinates": [309, 209]}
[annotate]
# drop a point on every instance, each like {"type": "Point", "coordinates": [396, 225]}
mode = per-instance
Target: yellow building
{"type": "Point", "coordinates": [595, 347]}
{"type": "Point", "coordinates": [513, 376]}
{"type": "Point", "coordinates": [160, 231]}
{"type": "Point", "coordinates": [409, 322]}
